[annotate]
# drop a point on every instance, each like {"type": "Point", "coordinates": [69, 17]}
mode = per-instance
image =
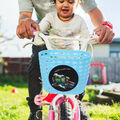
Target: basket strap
{"type": "Point", "coordinates": [88, 41]}
{"type": "Point", "coordinates": [45, 38]}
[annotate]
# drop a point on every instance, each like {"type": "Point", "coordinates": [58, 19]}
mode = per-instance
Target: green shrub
{"type": "Point", "coordinates": [91, 94]}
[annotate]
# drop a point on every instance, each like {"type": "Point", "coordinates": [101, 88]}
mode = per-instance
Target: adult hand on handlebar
{"type": "Point", "coordinates": [26, 27]}
{"type": "Point", "coordinates": [105, 34]}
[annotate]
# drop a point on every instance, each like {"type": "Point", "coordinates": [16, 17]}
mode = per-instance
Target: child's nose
{"type": "Point", "coordinates": [66, 4]}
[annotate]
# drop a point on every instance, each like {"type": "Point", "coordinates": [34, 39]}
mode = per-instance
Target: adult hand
{"type": "Point", "coordinates": [105, 34]}
{"type": "Point", "coordinates": [26, 27]}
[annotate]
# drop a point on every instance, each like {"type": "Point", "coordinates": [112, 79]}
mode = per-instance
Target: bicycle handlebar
{"type": "Point", "coordinates": [41, 39]}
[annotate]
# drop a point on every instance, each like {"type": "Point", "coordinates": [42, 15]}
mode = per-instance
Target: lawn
{"type": "Point", "coordinates": [13, 106]}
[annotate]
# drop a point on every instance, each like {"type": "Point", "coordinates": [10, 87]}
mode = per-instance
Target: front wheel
{"type": "Point", "coordinates": [65, 111]}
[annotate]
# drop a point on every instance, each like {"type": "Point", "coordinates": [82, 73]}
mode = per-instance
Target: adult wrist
{"type": "Point", "coordinates": [24, 17]}
{"type": "Point", "coordinates": [108, 24]}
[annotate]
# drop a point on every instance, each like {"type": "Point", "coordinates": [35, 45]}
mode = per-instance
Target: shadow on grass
{"type": "Point", "coordinates": [16, 81]}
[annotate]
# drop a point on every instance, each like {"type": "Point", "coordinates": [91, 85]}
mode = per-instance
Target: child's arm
{"type": "Point", "coordinates": [84, 32]}
{"type": "Point", "coordinates": [45, 23]}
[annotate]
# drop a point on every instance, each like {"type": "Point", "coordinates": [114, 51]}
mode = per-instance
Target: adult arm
{"type": "Point", "coordinates": [26, 25]}
{"type": "Point", "coordinates": [105, 33]}
{"type": "Point", "coordinates": [96, 17]}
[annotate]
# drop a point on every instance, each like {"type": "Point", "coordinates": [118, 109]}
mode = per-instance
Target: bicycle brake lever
{"type": "Point", "coordinates": [37, 40]}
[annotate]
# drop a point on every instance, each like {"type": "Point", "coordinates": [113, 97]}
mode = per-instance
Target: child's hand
{"type": "Point", "coordinates": [38, 99]}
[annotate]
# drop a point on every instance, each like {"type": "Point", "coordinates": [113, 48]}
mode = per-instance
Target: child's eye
{"type": "Point", "coordinates": [61, 1]}
{"type": "Point", "coordinates": [71, 1]}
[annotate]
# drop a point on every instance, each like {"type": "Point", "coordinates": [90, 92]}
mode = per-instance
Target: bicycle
{"type": "Point", "coordinates": [64, 75]}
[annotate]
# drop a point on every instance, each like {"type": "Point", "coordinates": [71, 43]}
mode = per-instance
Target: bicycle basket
{"type": "Point", "coordinates": [64, 71]}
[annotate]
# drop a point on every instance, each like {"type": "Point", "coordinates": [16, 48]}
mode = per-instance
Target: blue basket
{"type": "Point", "coordinates": [79, 61]}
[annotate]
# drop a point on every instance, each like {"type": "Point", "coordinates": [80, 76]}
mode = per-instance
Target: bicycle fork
{"type": "Point", "coordinates": [54, 110]}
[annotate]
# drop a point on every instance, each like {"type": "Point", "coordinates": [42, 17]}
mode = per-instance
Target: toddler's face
{"type": "Point", "coordinates": [65, 8]}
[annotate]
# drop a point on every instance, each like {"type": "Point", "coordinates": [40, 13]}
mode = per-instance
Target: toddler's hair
{"type": "Point", "coordinates": [54, 1]}
{"type": "Point", "coordinates": [78, 1]}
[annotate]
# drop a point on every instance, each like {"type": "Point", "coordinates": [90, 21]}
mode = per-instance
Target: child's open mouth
{"type": "Point", "coordinates": [65, 11]}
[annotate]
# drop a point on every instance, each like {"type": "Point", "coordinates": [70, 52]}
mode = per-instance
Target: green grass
{"type": "Point", "coordinates": [14, 106]}
{"type": "Point", "coordinates": [104, 112]}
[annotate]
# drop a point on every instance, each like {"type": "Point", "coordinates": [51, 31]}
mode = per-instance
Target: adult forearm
{"type": "Point", "coordinates": [104, 32]}
{"type": "Point", "coordinates": [96, 17]}
{"type": "Point", "coordinates": [24, 15]}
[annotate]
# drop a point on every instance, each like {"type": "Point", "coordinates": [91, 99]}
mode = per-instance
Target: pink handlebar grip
{"type": "Point", "coordinates": [33, 33]}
